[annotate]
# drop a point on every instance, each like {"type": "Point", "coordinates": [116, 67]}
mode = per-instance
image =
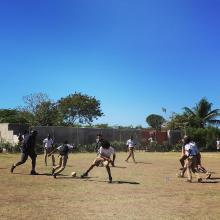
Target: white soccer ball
{"type": "Point", "coordinates": [73, 174]}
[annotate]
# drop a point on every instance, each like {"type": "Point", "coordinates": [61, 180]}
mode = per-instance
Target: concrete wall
{"type": "Point", "coordinates": [7, 135]}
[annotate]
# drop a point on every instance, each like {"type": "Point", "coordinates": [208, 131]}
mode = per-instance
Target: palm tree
{"type": "Point", "coordinates": [202, 114]}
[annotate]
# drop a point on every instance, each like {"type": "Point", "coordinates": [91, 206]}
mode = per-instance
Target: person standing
{"type": "Point", "coordinates": [48, 146]}
{"type": "Point", "coordinates": [28, 149]}
{"type": "Point", "coordinates": [130, 144]}
{"type": "Point", "coordinates": [218, 144]}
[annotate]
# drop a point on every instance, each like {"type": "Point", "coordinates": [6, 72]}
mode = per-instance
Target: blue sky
{"type": "Point", "coordinates": [135, 56]}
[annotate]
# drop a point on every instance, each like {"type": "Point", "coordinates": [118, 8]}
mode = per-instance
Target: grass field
{"type": "Point", "coordinates": [146, 190]}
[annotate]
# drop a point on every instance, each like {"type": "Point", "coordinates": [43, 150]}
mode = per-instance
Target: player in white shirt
{"type": "Point", "coordinates": [218, 144]}
{"type": "Point", "coordinates": [104, 156]}
{"type": "Point", "coordinates": [48, 147]}
{"type": "Point", "coordinates": [191, 164]}
{"type": "Point", "coordinates": [130, 144]}
{"type": "Point", "coordinates": [63, 151]}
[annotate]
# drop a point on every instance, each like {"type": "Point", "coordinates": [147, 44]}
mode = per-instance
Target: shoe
{"type": "Point", "coordinates": [33, 172]}
{"type": "Point", "coordinates": [52, 171]}
{"type": "Point", "coordinates": [208, 176]}
{"type": "Point", "coordinates": [12, 168]}
{"type": "Point", "coordinates": [199, 180]}
{"type": "Point", "coordinates": [189, 181]}
{"type": "Point", "coordinates": [110, 180]}
{"type": "Point", "coordinates": [84, 175]}
{"type": "Point", "coordinates": [180, 175]}
{"type": "Point", "coordinates": [54, 176]}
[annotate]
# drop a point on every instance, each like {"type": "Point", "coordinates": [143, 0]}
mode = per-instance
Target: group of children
{"type": "Point", "coordinates": [191, 161]}
{"type": "Point", "coordinates": [105, 154]}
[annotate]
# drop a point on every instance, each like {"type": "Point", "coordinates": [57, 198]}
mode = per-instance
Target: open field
{"type": "Point", "coordinates": [146, 190]}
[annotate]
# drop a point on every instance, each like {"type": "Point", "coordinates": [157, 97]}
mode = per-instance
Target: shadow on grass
{"type": "Point", "coordinates": [119, 167]}
{"type": "Point", "coordinates": [143, 162]}
{"type": "Point", "coordinates": [113, 182]}
{"type": "Point", "coordinates": [208, 182]}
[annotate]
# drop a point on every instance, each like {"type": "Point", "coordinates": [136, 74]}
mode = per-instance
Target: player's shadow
{"type": "Point", "coordinates": [125, 182]}
{"type": "Point", "coordinates": [120, 167]}
{"type": "Point", "coordinates": [115, 182]}
{"type": "Point", "coordinates": [209, 182]}
{"type": "Point", "coordinates": [143, 162]}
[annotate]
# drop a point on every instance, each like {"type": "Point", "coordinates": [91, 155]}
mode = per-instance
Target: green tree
{"type": "Point", "coordinates": [155, 121]}
{"type": "Point", "coordinates": [202, 114]}
{"type": "Point", "coordinates": [12, 116]}
{"type": "Point", "coordinates": [79, 108]}
{"type": "Point", "coordinates": [47, 114]}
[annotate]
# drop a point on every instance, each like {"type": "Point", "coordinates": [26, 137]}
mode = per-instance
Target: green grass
{"type": "Point", "coordinates": [147, 190]}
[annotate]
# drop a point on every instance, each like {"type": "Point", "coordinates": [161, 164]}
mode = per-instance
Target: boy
{"type": "Point", "coordinates": [104, 157]}
{"type": "Point", "coordinates": [28, 149]}
{"type": "Point", "coordinates": [63, 151]}
{"type": "Point", "coordinates": [48, 146]}
{"type": "Point", "coordinates": [130, 144]}
{"type": "Point", "coordinates": [191, 152]}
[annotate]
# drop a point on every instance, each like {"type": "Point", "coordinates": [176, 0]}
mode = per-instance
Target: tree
{"type": "Point", "coordinates": [202, 114]}
{"type": "Point", "coordinates": [33, 100]}
{"type": "Point", "coordinates": [11, 116]}
{"type": "Point", "coordinates": [40, 110]}
{"type": "Point", "coordinates": [79, 108]}
{"type": "Point", "coordinates": [155, 121]}
{"type": "Point", "coordinates": [47, 114]}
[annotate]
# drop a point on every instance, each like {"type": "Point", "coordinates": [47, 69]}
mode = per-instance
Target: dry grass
{"type": "Point", "coordinates": [147, 190]}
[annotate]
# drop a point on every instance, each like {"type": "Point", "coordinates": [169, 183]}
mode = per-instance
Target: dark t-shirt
{"type": "Point", "coordinates": [28, 143]}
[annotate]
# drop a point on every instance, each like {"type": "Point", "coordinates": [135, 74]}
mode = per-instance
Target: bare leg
{"type": "Point", "coordinates": [53, 160]}
{"type": "Point", "coordinates": [109, 174]}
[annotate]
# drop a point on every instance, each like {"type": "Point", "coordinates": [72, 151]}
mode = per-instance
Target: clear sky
{"type": "Point", "coordinates": [135, 56]}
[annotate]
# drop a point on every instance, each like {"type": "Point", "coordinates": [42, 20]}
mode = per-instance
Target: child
{"type": "Point", "coordinates": [104, 157]}
{"type": "Point", "coordinates": [191, 151]}
{"type": "Point", "coordinates": [130, 144]}
{"type": "Point", "coordinates": [28, 150]}
{"type": "Point", "coordinates": [63, 151]}
{"type": "Point", "coordinates": [48, 146]}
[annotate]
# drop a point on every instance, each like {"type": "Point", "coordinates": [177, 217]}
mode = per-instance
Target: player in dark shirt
{"type": "Point", "coordinates": [28, 149]}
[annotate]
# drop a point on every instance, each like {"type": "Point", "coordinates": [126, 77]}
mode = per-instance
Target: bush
{"type": "Point", "coordinates": [204, 137]}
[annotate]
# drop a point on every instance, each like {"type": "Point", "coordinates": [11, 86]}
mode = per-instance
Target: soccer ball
{"type": "Point", "coordinates": [73, 174]}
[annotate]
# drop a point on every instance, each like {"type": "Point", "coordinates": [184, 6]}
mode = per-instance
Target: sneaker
{"type": "Point", "coordinates": [180, 175]}
{"type": "Point", "coordinates": [54, 176]}
{"type": "Point", "coordinates": [110, 180]}
{"type": "Point", "coordinates": [189, 181]}
{"type": "Point", "coordinates": [12, 168]}
{"type": "Point", "coordinates": [84, 175]}
{"type": "Point", "coordinates": [33, 172]}
{"type": "Point", "coordinates": [199, 180]}
{"type": "Point", "coordinates": [52, 171]}
{"type": "Point", "coordinates": [208, 175]}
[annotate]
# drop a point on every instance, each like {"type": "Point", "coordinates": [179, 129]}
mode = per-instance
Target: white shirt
{"type": "Point", "coordinates": [130, 143]}
{"type": "Point", "coordinates": [191, 149]}
{"type": "Point", "coordinates": [48, 143]}
{"type": "Point", "coordinates": [106, 152]}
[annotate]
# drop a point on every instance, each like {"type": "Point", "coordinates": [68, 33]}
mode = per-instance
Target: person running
{"type": "Point", "coordinates": [99, 139]}
{"type": "Point", "coordinates": [130, 145]}
{"type": "Point", "coordinates": [104, 157]}
{"type": "Point", "coordinates": [191, 163]}
{"type": "Point", "coordinates": [28, 149]}
{"type": "Point", "coordinates": [63, 154]}
{"type": "Point", "coordinates": [48, 146]}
